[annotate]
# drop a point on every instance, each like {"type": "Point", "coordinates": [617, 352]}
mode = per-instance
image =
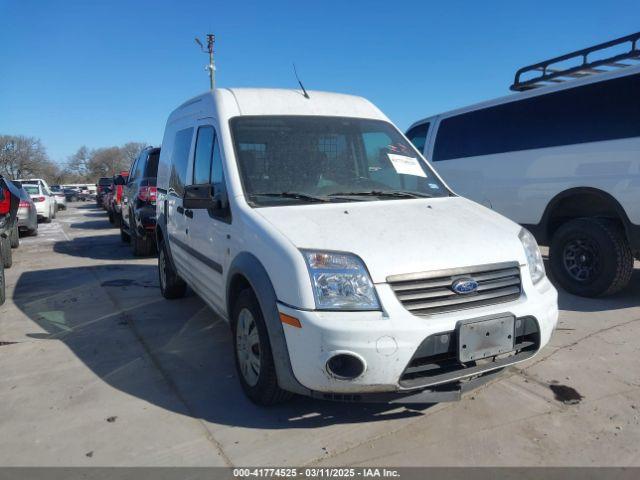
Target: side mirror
{"type": "Point", "coordinates": [197, 197]}
{"type": "Point", "coordinates": [120, 180]}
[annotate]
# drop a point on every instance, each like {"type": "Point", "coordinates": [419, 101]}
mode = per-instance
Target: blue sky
{"type": "Point", "coordinates": [103, 73]}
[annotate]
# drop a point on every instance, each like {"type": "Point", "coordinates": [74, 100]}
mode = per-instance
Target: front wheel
{"type": "Point", "coordinates": [591, 257]}
{"type": "Point", "coordinates": [254, 360]}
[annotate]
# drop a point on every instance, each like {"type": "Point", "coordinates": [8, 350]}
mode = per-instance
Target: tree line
{"type": "Point", "coordinates": [26, 157]}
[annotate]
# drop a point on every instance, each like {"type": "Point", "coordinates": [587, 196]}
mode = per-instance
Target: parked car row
{"type": "Point", "coordinates": [10, 199]}
{"type": "Point", "coordinates": [129, 199]}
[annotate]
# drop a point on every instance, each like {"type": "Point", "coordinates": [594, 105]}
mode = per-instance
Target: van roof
{"type": "Point", "coordinates": [514, 97]}
{"type": "Point", "coordinates": [232, 102]}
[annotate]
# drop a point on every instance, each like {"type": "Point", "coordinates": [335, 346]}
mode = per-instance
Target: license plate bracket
{"type": "Point", "coordinates": [485, 337]}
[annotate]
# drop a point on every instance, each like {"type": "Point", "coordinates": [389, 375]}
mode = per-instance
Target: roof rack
{"type": "Point", "coordinates": [549, 75]}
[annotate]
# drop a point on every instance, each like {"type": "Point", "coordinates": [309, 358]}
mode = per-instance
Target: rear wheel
{"type": "Point", "coordinates": [171, 285]}
{"type": "Point", "coordinates": [111, 217]}
{"type": "Point", "coordinates": [15, 237]}
{"type": "Point", "coordinates": [5, 252]}
{"type": "Point", "coordinates": [2, 288]}
{"type": "Point", "coordinates": [591, 257]}
{"type": "Point", "coordinates": [254, 360]}
{"type": "Point", "coordinates": [117, 219]}
{"type": "Point", "coordinates": [141, 246]}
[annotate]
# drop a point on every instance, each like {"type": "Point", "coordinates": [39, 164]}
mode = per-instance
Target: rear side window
{"type": "Point", "coordinates": [591, 113]}
{"type": "Point", "coordinates": [180, 161]}
{"type": "Point", "coordinates": [418, 136]}
{"type": "Point", "coordinates": [32, 189]}
{"type": "Point", "coordinates": [152, 164]}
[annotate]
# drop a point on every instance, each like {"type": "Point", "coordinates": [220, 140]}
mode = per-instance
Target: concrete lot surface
{"type": "Point", "coordinates": [98, 369]}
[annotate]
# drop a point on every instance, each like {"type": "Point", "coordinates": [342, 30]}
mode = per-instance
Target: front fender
{"type": "Point", "coordinates": [251, 269]}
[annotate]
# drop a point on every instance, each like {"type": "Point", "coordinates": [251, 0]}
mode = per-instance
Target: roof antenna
{"type": "Point", "coordinates": [306, 95]}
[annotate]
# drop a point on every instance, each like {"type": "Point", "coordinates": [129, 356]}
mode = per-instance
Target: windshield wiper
{"type": "Point", "coordinates": [381, 193]}
{"type": "Point", "coordinates": [296, 195]}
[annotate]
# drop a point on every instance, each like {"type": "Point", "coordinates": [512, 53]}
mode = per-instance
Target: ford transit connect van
{"type": "Point", "coordinates": [346, 267]}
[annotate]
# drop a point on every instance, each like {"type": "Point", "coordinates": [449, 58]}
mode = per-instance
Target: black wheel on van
{"type": "Point", "coordinates": [171, 285]}
{"type": "Point", "coordinates": [591, 257]}
{"type": "Point", "coordinates": [5, 252]}
{"type": "Point", "coordinates": [253, 357]}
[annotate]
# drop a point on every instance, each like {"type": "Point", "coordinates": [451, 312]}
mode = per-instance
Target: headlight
{"type": "Point", "coordinates": [534, 257]}
{"type": "Point", "coordinates": [340, 281]}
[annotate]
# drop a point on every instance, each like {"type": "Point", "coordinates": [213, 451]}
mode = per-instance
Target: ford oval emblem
{"type": "Point", "coordinates": [464, 286]}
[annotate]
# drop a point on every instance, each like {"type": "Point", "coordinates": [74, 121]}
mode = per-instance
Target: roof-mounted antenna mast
{"type": "Point", "coordinates": [304, 92]}
{"type": "Point", "coordinates": [211, 38]}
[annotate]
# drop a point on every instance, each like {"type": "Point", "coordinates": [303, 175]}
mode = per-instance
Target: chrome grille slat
{"type": "Point", "coordinates": [424, 293]}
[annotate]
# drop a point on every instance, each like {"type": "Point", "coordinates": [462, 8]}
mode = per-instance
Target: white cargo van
{"type": "Point", "coordinates": [345, 266]}
{"type": "Point", "coordinates": [561, 157]}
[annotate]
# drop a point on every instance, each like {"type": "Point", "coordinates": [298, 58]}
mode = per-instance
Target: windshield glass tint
{"type": "Point", "coordinates": [32, 189]}
{"type": "Point", "coordinates": [327, 157]}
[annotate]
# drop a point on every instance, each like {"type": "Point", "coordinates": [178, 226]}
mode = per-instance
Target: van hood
{"type": "Point", "coordinates": [402, 236]}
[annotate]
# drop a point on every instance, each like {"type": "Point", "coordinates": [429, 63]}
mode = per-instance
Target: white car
{"type": "Point", "coordinates": [561, 157]}
{"type": "Point", "coordinates": [346, 267]}
{"type": "Point", "coordinates": [42, 197]}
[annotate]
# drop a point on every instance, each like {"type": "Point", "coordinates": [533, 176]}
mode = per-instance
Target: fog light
{"type": "Point", "coordinates": [345, 366]}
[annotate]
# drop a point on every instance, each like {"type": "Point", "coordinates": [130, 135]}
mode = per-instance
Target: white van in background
{"type": "Point", "coordinates": [346, 268]}
{"type": "Point", "coordinates": [561, 157]}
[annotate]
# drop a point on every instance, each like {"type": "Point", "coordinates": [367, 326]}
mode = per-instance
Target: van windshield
{"type": "Point", "coordinates": [304, 159]}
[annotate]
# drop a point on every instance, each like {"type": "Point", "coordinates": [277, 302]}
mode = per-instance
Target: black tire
{"type": "Point", "coordinates": [124, 236]}
{"type": "Point", "coordinates": [591, 257]}
{"type": "Point", "coordinates": [5, 252]}
{"type": "Point", "coordinates": [111, 217]}
{"type": "Point", "coordinates": [172, 286]}
{"type": "Point", "coordinates": [34, 232]}
{"type": "Point", "coordinates": [266, 390]}
{"type": "Point", "coordinates": [3, 294]}
{"type": "Point", "coordinates": [141, 246]}
{"type": "Point", "coordinates": [117, 220]}
{"type": "Point", "coordinates": [15, 237]}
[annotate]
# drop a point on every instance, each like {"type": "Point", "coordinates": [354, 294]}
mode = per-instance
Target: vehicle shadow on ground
{"type": "Point", "coordinates": [97, 247]}
{"type": "Point", "coordinates": [93, 225]}
{"type": "Point", "coordinates": [629, 297]}
{"type": "Point", "coordinates": [162, 351]}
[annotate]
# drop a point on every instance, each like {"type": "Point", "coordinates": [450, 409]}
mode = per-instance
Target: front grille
{"type": "Point", "coordinates": [430, 292]}
{"type": "Point", "coordinates": [436, 359]}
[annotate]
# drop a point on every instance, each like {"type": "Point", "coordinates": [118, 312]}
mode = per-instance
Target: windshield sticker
{"type": "Point", "coordinates": [406, 165]}
{"type": "Point", "coordinates": [434, 186]}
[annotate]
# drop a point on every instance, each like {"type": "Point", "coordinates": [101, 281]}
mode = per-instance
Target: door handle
{"type": "Point", "coordinates": [189, 213]}
{"type": "Point", "coordinates": [180, 210]}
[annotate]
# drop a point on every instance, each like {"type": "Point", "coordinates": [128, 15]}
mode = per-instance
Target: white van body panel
{"type": "Point", "coordinates": [520, 184]}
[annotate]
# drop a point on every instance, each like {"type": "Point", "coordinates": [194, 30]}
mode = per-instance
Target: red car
{"type": "Point", "coordinates": [114, 198]}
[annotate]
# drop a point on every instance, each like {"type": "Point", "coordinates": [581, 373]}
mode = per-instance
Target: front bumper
{"type": "Point", "coordinates": [387, 342]}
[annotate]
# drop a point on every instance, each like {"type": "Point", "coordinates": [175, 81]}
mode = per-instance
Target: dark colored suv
{"type": "Point", "coordinates": [139, 202]}
{"type": "Point", "coordinates": [103, 183]}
